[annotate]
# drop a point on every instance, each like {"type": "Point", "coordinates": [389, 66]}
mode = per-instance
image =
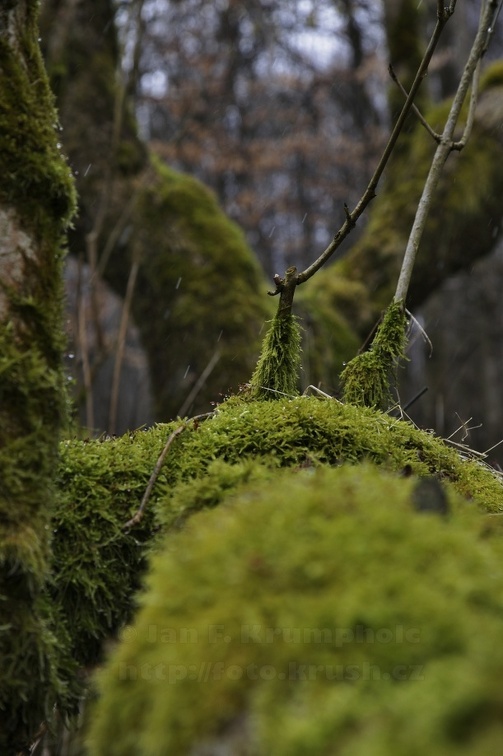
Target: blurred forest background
{"type": "Point", "coordinates": [214, 143]}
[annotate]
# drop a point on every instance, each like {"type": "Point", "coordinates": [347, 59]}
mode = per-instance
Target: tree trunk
{"type": "Point", "coordinates": [36, 203]}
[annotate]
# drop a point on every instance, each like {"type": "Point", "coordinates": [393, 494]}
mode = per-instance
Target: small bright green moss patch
{"type": "Point", "coordinates": [366, 379]}
{"type": "Point", "coordinates": [277, 371]}
{"type": "Point", "coordinates": [314, 612]}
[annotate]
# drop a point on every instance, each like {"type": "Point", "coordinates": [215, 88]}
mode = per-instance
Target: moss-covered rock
{"type": "Point", "coordinates": [315, 613]}
{"type": "Point", "coordinates": [193, 261]}
{"type": "Point", "coordinates": [93, 585]}
{"type": "Point", "coordinates": [101, 484]}
{"type": "Point", "coordinates": [97, 566]}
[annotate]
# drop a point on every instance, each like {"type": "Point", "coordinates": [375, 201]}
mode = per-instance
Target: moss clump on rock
{"type": "Point", "coordinates": [366, 379]}
{"type": "Point", "coordinates": [313, 612]}
{"type": "Point", "coordinates": [107, 478]}
{"type": "Point", "coordinates": [277, 371]}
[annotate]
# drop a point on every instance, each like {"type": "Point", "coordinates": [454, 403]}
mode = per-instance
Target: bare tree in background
{"type": "Point", "coordinates": [272, 105]}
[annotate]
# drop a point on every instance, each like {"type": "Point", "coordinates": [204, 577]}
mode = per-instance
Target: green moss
{"type": "Point", "coordinates": [36, 178]}
{"type": "Point", "coordinates": [277, 371]}
{"type": "Point", "coordinates": [37, 197]}
{"type": "Point", "coordinates": [492, 76]}
{"type": "Point", "coordinates": [99, 484]}
{"type": "Point", "coordinates": [324, 613]}
{"type": "Point", "coordinates": [106, 479]}
{"type": "Point", "coordinates": [366, 379]}
{"type": "Point", "coordinates": [38, 673]}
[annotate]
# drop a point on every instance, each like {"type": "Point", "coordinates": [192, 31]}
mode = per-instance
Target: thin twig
{"type": "Point", "coordinates": [415, 109]}
{"type": "Point", "coordinates": [83, 346]}
{"type": "Point", "coordinates": [415, 398]}
{"type": "Point", "coordinates": [465, 427]}
{"type": "Point", "coordinates": [493, 446]}
{"type": "Point", "coordinates": [370, 192]}
{"type": "Point", "coordinates": [136, 518]}
{"type": "Point", "coordinates": [423, 333]}
{"type": "Point", "coordinates": [196, 388]}
{"type": "Point", "coordinates": [157, 469]}
{"type": "Point", "coordinates": [466, 449]}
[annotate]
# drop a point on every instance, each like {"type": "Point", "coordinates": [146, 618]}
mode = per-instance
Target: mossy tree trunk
{"type": "Point", "coordinates": [36, 202]}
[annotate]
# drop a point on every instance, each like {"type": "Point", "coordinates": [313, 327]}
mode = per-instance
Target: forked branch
{"type": "Point", "coordinates": [447, 143]}
{"type": "Point", "coordinates": [443, 15]}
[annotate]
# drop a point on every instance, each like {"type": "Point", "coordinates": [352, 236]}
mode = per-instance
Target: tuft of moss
{"type": "Point", "coordinates": [366, 379]}
{"type": "Point", "coordinates": [277, 372]}
{"type": "Point", "coordinates": [313, 612]}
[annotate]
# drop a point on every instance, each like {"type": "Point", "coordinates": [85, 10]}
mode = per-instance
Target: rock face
{"type": "Point", "coordinates": [98, 339]}
{"type": "Point", "coordinates": [463, 368]}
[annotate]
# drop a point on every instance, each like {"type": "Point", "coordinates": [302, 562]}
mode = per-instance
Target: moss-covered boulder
{"type": "Point", "coordinates": [315, 613]}
{"type": "Point", "coordinates": [200, 301]}
{"type": "Point", "coordinates": [101, 484]}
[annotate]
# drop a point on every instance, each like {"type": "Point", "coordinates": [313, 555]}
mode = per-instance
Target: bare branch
{"type": "Point", "coordinates": [471, 110]}
{"type": "Point", "coordinates": [157, 469]}
{"type": "Point", "coordinates": [416, 110]}
{"type": "Point", "coordinates": [137, 517]}
{"type": "Point", "coordinates": [370, 192]}
{"type": "Point", "coordinates": [443, 150]}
